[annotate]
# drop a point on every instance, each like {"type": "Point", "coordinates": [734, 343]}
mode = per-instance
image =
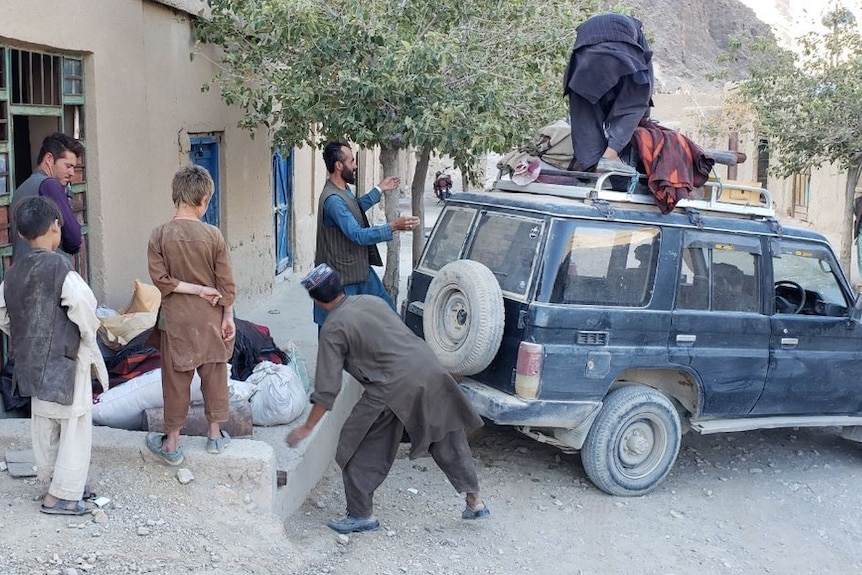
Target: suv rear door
{"type": "Point", "coordinates": [509, 244]}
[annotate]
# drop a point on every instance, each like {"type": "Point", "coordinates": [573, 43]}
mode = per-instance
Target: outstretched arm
{"type": "Point", "coordinates": [338, 214]}
{"type": "Point", "coordinates": [304, 430]}
{"type": "Point", "coordinates": [331, 353]}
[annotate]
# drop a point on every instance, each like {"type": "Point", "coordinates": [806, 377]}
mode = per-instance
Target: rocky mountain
{"type": "Point", "coordinates": [689, 36]}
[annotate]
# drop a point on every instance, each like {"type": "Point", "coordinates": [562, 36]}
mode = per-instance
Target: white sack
{"type": "Point", "coordinates": [281, 395]}
{"type": "Point", "coordinates": [122, 406]}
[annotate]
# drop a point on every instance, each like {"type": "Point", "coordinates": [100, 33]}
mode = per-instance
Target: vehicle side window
{"type": "Point", "coordinates": [608, 265]}
{"type": "Point", "coordinates": [449, 238]}
{"type": "Point", "coordinates": [806, 283]}
{"type": "Point", "coordinates": [508, 246]}
{"type": "Point", "coordinates": [719, 275]}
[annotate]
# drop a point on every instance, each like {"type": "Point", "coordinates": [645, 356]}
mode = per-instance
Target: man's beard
{"type": "Point", "coordinates": [348, 175]}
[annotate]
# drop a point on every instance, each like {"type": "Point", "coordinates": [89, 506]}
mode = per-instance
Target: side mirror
{"type": "Point", "coordinates": [856, 312]}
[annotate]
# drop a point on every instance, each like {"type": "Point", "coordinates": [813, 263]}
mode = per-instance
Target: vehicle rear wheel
{"type": "Point", "coordinates": [464, 317]}
{"type": "Point", "coordinates": [634, 441]}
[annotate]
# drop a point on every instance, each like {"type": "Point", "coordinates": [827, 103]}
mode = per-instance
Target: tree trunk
{"type": "Point", "coordinates": [392, 275]}
{"type": "Point", "coordinates": [417, 198]}
{"type": "Point", "coordinates": [847, 237]}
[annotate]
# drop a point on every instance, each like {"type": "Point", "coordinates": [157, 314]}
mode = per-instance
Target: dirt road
{"type": "Point", "coordinates": [778, 501]}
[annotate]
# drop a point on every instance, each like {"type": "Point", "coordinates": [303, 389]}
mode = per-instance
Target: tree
{"type": "Point", "coordinates": [809, 104]}
{"type": "Point", "coordinates": [460, 77]}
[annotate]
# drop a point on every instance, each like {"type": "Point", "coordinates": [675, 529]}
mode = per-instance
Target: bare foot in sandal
{"type": "Point", "coordinates": [54, 506]}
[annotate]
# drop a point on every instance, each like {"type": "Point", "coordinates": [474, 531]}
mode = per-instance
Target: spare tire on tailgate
{"type": "Point", "coordinates": [464, 316]}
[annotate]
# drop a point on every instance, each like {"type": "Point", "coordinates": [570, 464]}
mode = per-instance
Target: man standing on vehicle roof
{"type": "Point", "coordinates": [345, 239]}
{"type": "Point", "coordinates": [609, 82]}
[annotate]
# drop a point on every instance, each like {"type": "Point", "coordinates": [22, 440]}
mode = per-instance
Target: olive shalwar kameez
{"type": "Point", "coordinates": [405, 388]}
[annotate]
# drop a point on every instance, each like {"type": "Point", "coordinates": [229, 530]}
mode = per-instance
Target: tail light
{"type": "Point", "coordinates": [528, 371]}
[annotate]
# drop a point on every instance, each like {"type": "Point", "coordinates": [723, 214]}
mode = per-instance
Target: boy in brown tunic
{"type": "Point", "coordinates": [405, 388]}
{"type": "Point", "coordinates": [188, 262]}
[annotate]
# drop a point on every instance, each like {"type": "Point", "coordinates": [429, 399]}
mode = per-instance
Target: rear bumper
{"type": "Point", "coordinates": [505, 409]}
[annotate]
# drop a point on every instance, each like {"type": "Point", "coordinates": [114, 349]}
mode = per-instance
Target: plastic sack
{"type": "Point", "coordinates": [117, 331]}
{"type": "Point", "coordinates": [121, 406]}
{"type": "Point", "coordinates": [297, 362]}
{"type": "Point", "coordinates": [145, 298]}
{"type": "Point", "coordinates": [281, 396]}
{"type": "Point", "coordinates": [240, 390]}
{"type": "Point", "coordinates": [105, 311]}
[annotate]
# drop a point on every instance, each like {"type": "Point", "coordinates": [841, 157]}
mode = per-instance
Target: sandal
{"type": "Point", "coordinates": [155, 442]}
{"type": "Point", "coordinates": [471, 513]}
{"type": "Point", "coordinates": [217, 446]}
{"type": "Point", "coordinates": [88, 495]}
{"type": "Point", "coordinates": [65, 507]}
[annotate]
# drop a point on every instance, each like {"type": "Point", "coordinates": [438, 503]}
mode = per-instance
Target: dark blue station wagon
{"type": "Point", "coordinates": [590, 321]}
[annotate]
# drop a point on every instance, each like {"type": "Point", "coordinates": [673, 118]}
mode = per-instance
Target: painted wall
{"type": "Point", "coordinates": [143, 101]}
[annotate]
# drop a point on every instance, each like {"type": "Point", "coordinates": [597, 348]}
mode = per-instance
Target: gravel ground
{"type": "Point", "coordinates": [776, 501]}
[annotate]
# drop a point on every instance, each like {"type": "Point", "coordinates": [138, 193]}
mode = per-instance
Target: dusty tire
{"type": "Point", "coordinates": [634, 441]}
{"type": "Point", "coordinates": [464, 316]}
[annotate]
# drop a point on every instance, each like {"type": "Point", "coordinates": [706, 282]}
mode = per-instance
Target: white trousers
{"type": "Point", "coordinates": [61, 448]}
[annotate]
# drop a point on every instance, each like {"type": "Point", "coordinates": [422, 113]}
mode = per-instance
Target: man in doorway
{"type": "Point", "coordinates": [345, 239]}
{"type": "Point", "coordinates": [55, 169]}
{"type": "Point", "coordinates": [609, 82]}
{"type": "Point", "coordinates": [405, 388]}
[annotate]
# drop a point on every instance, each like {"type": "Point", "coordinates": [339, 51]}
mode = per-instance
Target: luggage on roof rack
{"type": "Point", "coordinates": [728, 197]}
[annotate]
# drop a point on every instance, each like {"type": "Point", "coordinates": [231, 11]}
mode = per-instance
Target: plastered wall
{"type": "Point", "coordinates": [143, 101]}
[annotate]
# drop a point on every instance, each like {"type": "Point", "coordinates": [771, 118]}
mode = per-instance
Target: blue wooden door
{"type": "Point", "coordinates": [205, 153]}
{"type": "Point", "coordinates": [282, 198]}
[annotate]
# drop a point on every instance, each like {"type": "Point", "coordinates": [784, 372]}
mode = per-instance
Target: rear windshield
{"type": "Point", "coordinates": [449, 238]}
{"type": "Point", "coordinates": [508, 245]}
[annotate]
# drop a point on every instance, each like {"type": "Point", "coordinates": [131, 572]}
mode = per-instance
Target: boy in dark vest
{"type": "Point", "coordinates": [50, 312]}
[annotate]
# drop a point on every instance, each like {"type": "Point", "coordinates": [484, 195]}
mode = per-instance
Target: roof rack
{"type": "Point", "coordinates": [723, 197]}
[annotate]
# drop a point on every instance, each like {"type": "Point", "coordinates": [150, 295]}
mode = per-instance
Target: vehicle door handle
{"type": "Point", "coordinates": [789, 342]}
{"type": "Point", "coordinates": [685, 339]}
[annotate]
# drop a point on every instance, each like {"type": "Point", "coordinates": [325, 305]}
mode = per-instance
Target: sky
{"type": "Point", "coordinates": [792, 18]}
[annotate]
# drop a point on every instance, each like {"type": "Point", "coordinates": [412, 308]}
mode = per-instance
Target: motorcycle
{"type": "Point", "coordinates": [442, 186]}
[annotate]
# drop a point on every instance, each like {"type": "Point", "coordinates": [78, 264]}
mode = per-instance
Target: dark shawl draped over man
{"type": "Point", "coordinates": [609, 82]}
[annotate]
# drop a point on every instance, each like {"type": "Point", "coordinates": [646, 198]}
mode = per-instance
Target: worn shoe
{"type": "Point", "coordinates": [616, 166]}
{"type": "Point", "coordinates": [154, 444]}
{"type": "Point", "coordinates": [216, 446]}
{"type": "Point", "coordinates": [351, 524]}
{"type": "Point", "coordinates": [65, 507]}
{"type": "Point", "coordinates": [470, 513]}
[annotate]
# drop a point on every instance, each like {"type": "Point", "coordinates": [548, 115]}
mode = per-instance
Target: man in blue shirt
{"type": "Point", "coordinates": [345, 239]}
{"type": "Point", "coordinates": [55, 169]}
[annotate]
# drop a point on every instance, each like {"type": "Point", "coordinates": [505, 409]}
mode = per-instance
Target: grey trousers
{"type": "Point", "coordinates": [373, 459]}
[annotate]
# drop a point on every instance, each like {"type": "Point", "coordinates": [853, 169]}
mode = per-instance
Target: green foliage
{"type": "Point", "coordinates": [809, 102]}
{"type": "Point", "coordinates": [461, 76]}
